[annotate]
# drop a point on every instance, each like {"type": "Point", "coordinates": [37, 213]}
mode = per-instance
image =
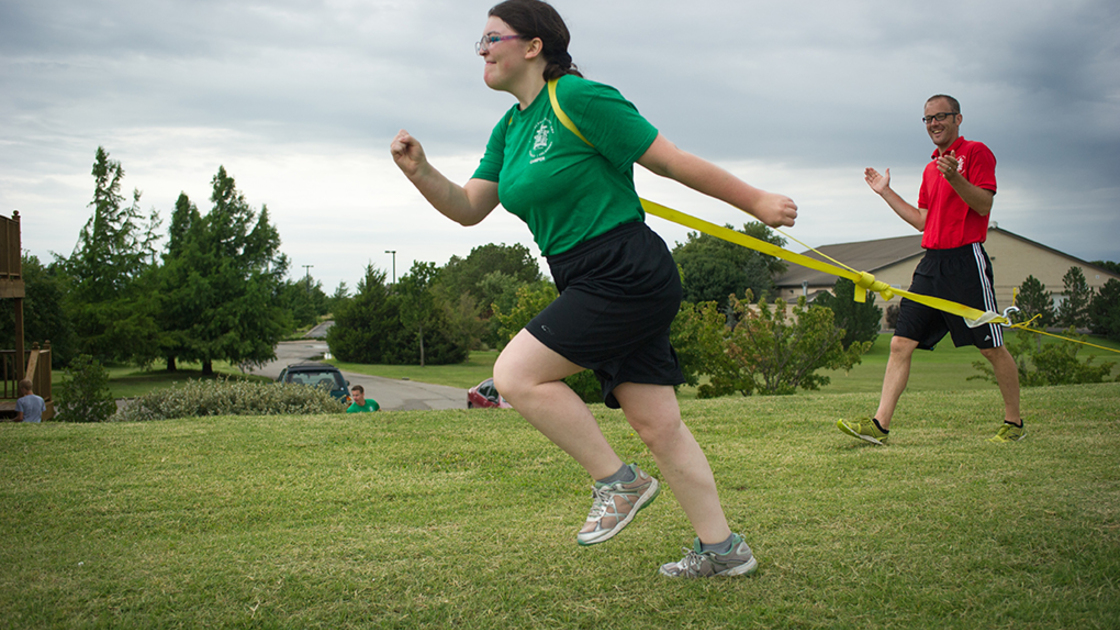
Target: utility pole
{"type": "Point", "coordinates": [307, 276]}
{"type": "Point", "coordinates": [394, 253]}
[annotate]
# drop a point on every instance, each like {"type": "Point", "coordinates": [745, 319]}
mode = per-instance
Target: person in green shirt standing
{"type": "Point", "coordinates": [360, 404]}
{"type": "Point", "coordinates": [619, 287]}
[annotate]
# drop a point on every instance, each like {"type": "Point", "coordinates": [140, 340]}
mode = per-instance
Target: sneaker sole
{"type": "Point", "coordinates": [844, 428]}
{"type": "Point", "coordinates": [747, 568]}
{"type": "Point", "coordinates": [603, 536]}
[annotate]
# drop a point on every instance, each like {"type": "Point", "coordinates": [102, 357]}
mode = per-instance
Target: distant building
{"type": "Point", "coordinates": [892, 260]}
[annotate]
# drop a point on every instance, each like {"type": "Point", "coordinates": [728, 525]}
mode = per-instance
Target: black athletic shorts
{"type": "Point", "coordinates": [963, 275]}
{"type": "Point", "coordinates": [619, 292]}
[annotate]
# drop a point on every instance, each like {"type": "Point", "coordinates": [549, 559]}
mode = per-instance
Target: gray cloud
{"type": "Point", "coordinates": [299, 102]}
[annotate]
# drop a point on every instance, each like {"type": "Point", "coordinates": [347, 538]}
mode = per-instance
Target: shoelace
{"type": "Point", "coordinates": [602, 497]}
{"type": "Point", "coordinates": [692, 561]}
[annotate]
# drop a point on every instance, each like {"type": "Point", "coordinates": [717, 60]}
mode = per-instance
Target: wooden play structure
{"type": "Point", "coordinates": [19, 363]}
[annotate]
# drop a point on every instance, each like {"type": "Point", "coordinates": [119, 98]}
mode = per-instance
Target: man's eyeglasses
{"type": "Point", "coordinates": [938, 117]}
{"type": "Point", "coordinates": [489, 40]}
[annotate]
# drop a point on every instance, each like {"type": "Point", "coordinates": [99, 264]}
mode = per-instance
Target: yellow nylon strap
{"type": "Point", "coordinates": [865, 281]}
{"type": "Point", "coordinates": [564, 120]}
{"type": "Point", "coordinates": [862, 279]}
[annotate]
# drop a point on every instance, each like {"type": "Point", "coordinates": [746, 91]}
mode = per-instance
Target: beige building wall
{"type": "Point", "coordinates": [1014, 259]}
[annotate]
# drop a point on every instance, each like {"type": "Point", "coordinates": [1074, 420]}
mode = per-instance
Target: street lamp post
{"type": "Point", "coordinates": [394, 253]}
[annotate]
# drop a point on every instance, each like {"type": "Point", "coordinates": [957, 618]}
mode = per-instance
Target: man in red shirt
{"type": "Point", "coordinates": [958, 186]}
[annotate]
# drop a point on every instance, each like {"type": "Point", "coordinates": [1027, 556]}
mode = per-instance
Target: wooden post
{"type": "Point", "coordinates": [21, 373]}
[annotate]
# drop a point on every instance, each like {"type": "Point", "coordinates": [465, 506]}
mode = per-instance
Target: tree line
{"type": "Point", "coordinates": [216, 290]}
{"type": "Point", "coordinates": [1079, 307]}
{"type": "Point", "coordinates": [215, 286]}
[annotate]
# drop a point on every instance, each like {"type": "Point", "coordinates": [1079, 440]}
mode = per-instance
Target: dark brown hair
{"type": "Point", "coordinates": [954, 104]}
{"type": "Point", "coordinates": [532, 19]}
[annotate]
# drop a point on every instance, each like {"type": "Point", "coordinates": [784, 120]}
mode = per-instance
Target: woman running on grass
{"type": "Point", "coordinates": [619, 287]}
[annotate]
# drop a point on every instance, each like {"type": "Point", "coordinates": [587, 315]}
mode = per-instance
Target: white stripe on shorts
{"type": "Point", "coordinates": [989, 292]}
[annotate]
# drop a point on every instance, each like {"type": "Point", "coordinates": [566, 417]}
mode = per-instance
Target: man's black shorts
{"type": "Point", "coordinates": [619, 292]}
{"type": "Point", "coordinates": [963, 275]}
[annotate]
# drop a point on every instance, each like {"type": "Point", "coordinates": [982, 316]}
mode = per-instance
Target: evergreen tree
{"type": "Point", "coordinates": [367, 325]}
{"type": "Point", "coordinates": [1104, 312]}
{"type": "Point", "coordinates": [1073, 312]}
{"type": "Point", "coordinates": [340, 295]}
{"type": "Point", "coordinates": [221, 282]}
{"type": "Point", "coordinates": [1110, 265]}
{"type": "Point", "coordinates": [860, 321]}
{"type": "Point", "coordinates": [178, 311]}
{"type": "Point", "coordinates": [1034, 300]}
{"type": "Point", "coordinates": [113, 312]}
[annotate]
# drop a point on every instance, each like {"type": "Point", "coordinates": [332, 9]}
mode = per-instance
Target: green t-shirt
{"type": "Point", "coordinates": [566, 191]}
{"type": "Point", "coordinates": [371, 405]}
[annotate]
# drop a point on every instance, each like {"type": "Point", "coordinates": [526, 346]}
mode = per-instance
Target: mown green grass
{"type": "Point", "coordinates": [467, 519]}
{"type": "Point", "coordinates": [478, 367]}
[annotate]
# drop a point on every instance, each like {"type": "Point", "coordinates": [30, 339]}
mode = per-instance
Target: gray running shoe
{"type": "Point", "coordinates": [696, 563]}
{"type": "Point", "coordinates": [615, 505]}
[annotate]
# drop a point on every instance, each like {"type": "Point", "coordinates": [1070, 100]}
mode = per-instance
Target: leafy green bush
{"type": "Point", "coordinates": [774, 352]}
{"type": "Point", "coordinates": [1047, 364]}
{"type": "Point", "coordinates": [698, 334]}
{"type": "Point", "coordinates": [224, 397]}
{"type": "Point", "coordinates": [85, 395]}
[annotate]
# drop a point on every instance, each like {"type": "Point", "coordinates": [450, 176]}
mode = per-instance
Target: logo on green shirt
{"type": "Point", "coordinates": [542, 141]}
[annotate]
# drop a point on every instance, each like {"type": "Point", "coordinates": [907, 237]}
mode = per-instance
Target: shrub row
{"type": "Point", "coordinates": [228, 398]}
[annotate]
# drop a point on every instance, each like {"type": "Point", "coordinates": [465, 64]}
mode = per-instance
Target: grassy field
{"type": "Point", "coordinates": [440, 519]}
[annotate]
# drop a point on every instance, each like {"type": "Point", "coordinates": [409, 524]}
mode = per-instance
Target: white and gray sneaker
{"type": "Point", "coordinates": [614, 506]}
{"type": "Point", "coordinates": [696, 563]}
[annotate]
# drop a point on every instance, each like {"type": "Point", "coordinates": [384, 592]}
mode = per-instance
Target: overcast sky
{"type": "Point", "coordinates": [299, 101]}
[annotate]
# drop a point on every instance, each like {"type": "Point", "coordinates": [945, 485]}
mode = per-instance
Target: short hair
{"type": "Point", "coordinates": [359, 388]}
{"type": "Point", "coordinates": [26, 385]}
{"type": "Point", "coordinates": [953, 103]}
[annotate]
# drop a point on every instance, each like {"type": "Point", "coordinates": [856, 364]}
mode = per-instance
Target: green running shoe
{"type": "Point", "coordinates": [696, 563]}
{"type": "Point", "coordinates": [614, 506]}
{"type": "Point", "coordinates": [1008, 433]}
{"type": "Point", "coordinates": [865, 430]}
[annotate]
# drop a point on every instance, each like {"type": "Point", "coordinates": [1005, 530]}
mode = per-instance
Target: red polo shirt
{"type": "Point", "coordinates": [950, 222]}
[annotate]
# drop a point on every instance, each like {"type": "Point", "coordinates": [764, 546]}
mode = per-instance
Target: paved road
{"type": "Point", "coordinates": [391, 394]}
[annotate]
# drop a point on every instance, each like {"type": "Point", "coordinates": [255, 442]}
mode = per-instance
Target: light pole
{"type": "Point", "coordinates": [307, 276]}
{"type": "Point", "coordinates": [394, 253]}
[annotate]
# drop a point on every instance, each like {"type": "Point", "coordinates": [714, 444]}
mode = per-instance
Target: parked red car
{"type": "Point", "coordinates": [485, 395]}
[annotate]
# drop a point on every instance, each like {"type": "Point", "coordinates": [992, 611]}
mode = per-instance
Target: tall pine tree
{"type": "Point", "coordinates": [109, 300]}
{"type": "Point", "coordinates": [1073, 312]}
{"type": "Point", "coordinates": [222, 274]}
